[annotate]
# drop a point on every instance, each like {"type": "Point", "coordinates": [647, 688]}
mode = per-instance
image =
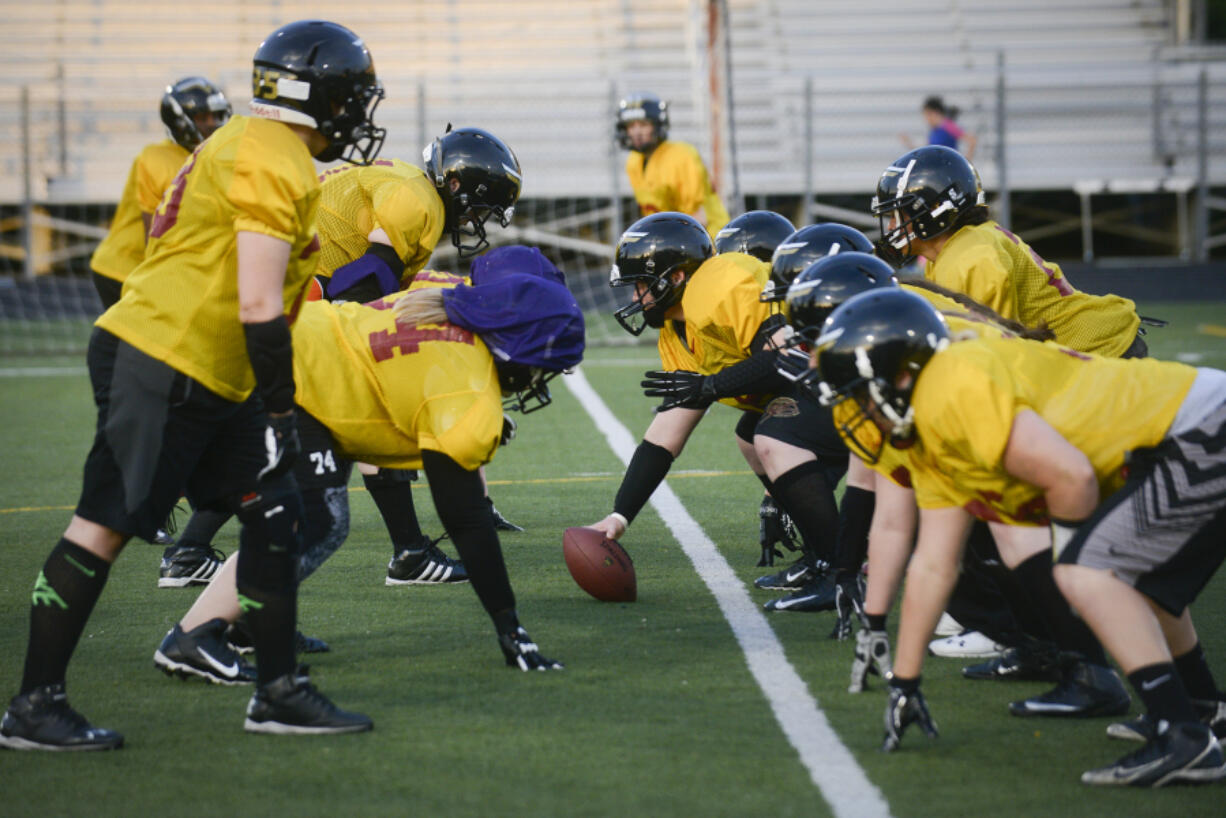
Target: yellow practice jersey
{"type": "Point", "coordinates": [722, 315]}
{"type": "Point", "coordinates": [390, 194]}
{"type": "Point", "coordinates": [387, 390]}
{"type": "Point", "coordinates": [968, 395]}
{"type": "Point", "coordinates": [998, 269]}
{"type": "Point", "coordinates": [181, 304]}
{"type": "Point", "coordinates": [673, 178]}
{"type": "Point", "coordinates": [124, 246]}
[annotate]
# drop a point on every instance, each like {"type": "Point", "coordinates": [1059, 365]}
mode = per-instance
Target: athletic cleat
{"type": "Point", "coordinates": [794, 577]}
{"type": "Point", "coordinates": [204, 652]}
{"type": "Point", "coordinates": [966, 645]}
{"type": "Point", "coordinates": [1211, 712]}
{"type": "Point", "coordinates": [425, 566]}
{"type": "Point", "coordinates": [817, 595]}
{"type": "Point", "coordinates": [239, 640]}
{"type": "Point", "coordinates": [1085, 691]}
{"type": "Point", "coordinates": [1178, 753]}
{"type": "Point", "coordinates": [948, 626]}
{"type": "Point", "coordinates": [290, 705]}
{"type": "Point", "coordinates": [42, 720]}
{"type": "Point", "coordinates": [501, 523]}
{"type": "Point", "coordinates": [1017, 664]}
{"type": "Point", "coordinates": [163, 537]}
{"type": "Point", "coordinates": [184, 565]}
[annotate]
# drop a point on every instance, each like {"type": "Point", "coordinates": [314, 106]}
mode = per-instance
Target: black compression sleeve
{"type": "Point", "coordinates": [855, 519]}
{"type": "Point", "coordinates": [647, 468]}
{"type": "Point", "coordinates": [272, 359]}
{"type": "Point", "coordinates": [756, 374]}
{"type": "Point", "coordinates": [459, 500]}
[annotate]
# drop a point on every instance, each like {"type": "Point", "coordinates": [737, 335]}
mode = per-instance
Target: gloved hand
{"type": "Point", "coordinates": [520, 651]}
{"type": "Point", "coordinates": [872, 655]}
{"type": "Point", "coordinates": [775, 528]}
{"type": "Point", "coordinates": [906, 706]}
{"type": "Point", "coordinates": [681, 388]}
{"type": "Point", "coordinates": [509, 428]}
{"type": "Point", "coordinates": [848, 601]}
{"type": "Point", "coordinates": [281, 445]}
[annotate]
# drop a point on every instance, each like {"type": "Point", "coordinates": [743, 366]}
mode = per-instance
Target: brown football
{"type": "Point", "coordinates": [599, 565]}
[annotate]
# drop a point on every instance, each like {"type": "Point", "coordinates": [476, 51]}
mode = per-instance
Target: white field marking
{"type": "Point", "coordinates": [830, 764]}
{"type": "Point", "coordinates": [42, 371]}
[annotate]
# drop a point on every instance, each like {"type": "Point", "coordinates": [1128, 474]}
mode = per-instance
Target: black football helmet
{"type": "Point", "coordinates": [321, 75]}
{"type": "Point", "coordinates": [827, 283]}
{"type": "Point", "coordinates": [477, 177]}
{"type": "Point", "coordinates": [756, 233]}
{"type": "Point", "coordinates": [187, 99]}
{"type": "Point", "coordinates": [641, 105]}
{"type": "Point", "coordinates": [867, 346]}
{"type": "Point", "coordinates": [526, 388]}
{"type": "Point", "coordinates": [805, 246]}
{"type": "Point", "coordinates": [923, 192]}
{"type": "Point", "coordinates": [649, 252]}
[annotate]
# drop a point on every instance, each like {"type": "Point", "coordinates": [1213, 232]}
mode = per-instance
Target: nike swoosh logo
{"type": "Point", "coordinates": [1152, 683]}
{"type": "Point", "coordinates": [229, 671]}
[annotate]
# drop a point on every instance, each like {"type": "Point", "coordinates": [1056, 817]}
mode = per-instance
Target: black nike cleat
{"type": "Point", "coordinates": [204, 652]}
{"type": "Point", "coordinates": [817, 595]}
{"type": "Point", "coordinates": [1086, 690]}
{"type": "Point", "coordinates": [1178, 753]}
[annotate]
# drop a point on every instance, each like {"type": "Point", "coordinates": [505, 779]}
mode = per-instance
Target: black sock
{"type": "Point", "coordinates": [271, 618]}
{"type": "Point", "coordinates": [201, 528]}
{"type": "Point", "coordinates": [855, 519]}
{"type": "Point", "coordinates": [808, 498]}
{"type": "Point", "coordinates": [394, 497]}
{"type": "Point", "coordinates": [70, 583]}
{"type": "Point", "coordinates": [876, 622]}
{"type": "Point", "coordinates": [1067, 630]}
{"type": "Point", "coordinates": [1163, 693]}
{"type": "Point", "coordinates": [1196, 675]}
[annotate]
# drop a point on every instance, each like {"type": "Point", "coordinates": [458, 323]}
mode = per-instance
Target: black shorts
{"type": "Point", "coordinates": [319, 466]}
{"type": "Point", "coordinates": [1164, 532]}
{"type": "Point", "coordinates": [108, 289]}
{"type": "Point", "coordinates": [161, 434]}
{"type": "Point", "coordinates": [799, 420]}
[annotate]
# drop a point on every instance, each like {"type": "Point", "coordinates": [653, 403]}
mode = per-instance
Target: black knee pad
{"type": "Point", "coordinates": [326, 525]}
{"type": "Point", "coordinates": [271, 537]}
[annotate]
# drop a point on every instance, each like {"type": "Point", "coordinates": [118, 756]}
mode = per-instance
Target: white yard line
{"type": "Point", "coordinates": [830, 764]}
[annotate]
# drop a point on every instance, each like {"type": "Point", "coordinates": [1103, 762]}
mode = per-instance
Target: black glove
{"type": "Point", "coordinates": [848, 602]}
{"type": "Point", "coordinates": [681, 388]}
{"type": "Point", "coordinates": [281, 446]}
{"type": "Point", "coordinates": [872, 655]}
{"type": "Point", "coordinates": [905, 706]}
{"type": "Point", "coordinates": [522, 652]}
{"type": "Point", "coordinates": [775, 528]}
{"type": "Point", "coordinates": [509, 428]}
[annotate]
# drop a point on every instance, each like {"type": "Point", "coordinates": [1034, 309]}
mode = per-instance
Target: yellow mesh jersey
{"type": "Point", "coordinates": [968, 395]}
{"type": "Point", "coordinates": [152, 172]}
{"type": "Point", "coordinates": [895, 463]}
{"type": "Point", "coordinates": [722, 316]}
{"type": "Point", "coordinates": [674, 178]}
{"type": "Point", "coordinates": [181, 304]}
{"type": "Point", "coordinates": [387, 390]}
{"type": "Point", "coordinates": [996, 268]}
{"type": "Point", "coordinates": [389, 193]}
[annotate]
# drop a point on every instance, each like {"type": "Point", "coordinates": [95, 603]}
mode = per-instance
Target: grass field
{"type": "Point", "coordinates": [656, 713]}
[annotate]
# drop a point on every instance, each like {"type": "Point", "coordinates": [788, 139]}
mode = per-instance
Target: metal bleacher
{"type": "Point", "coordinates": [1093, 88]}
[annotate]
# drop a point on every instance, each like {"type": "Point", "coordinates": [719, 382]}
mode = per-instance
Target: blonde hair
{"type": "Point", "coordinates": [423, 306]}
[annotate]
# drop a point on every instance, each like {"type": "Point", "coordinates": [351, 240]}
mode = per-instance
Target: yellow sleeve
{"type": "Point", "coordinates": [412, 216]}
{"type": "Point", "coordinates": [264, 190]}
{"type": "Point", "coordinates": [155, 170]}
{"type": "Point", "coordinates": [964, 409]}
{"type": "Point", "coordinates": [978, 272]}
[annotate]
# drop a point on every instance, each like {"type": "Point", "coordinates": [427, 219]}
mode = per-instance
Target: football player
{"type": "Point", "coordinates": [192, 374]}
{"type": "Point", "coordinates": [1124, 461]}
{"type": "Point", "coordinates": [665, 175]}
{"type": "Point", "coordinates": [372, 401]}
{"type": "Point", "coordinates": [191, 110]}
{"type": "Point", "coordinates": [930, 204]}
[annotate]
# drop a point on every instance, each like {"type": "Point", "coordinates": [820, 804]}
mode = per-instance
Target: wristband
{"type": "Point", "coordinates": [621, 519]}
{"type": "Point", "coordinates": [272, 360]}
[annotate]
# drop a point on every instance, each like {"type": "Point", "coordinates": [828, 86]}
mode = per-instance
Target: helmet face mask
{"type": "Point", "coordinates": [478, 178]}
{"type": "Point", "coordinates": [805, 246]}
{"type": "Point", "coordinates": [525, 389]}
{"type": "Point", "coordinates": [320, 75]}
{"type": "Point", "coordinates": [660, 252]}
{"type": "Point", "coordinates": [639, 107]}
{"type": "Point", "coordinates": [188, 99]}
{"type": "Point", "coordinates": [921, 195]}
